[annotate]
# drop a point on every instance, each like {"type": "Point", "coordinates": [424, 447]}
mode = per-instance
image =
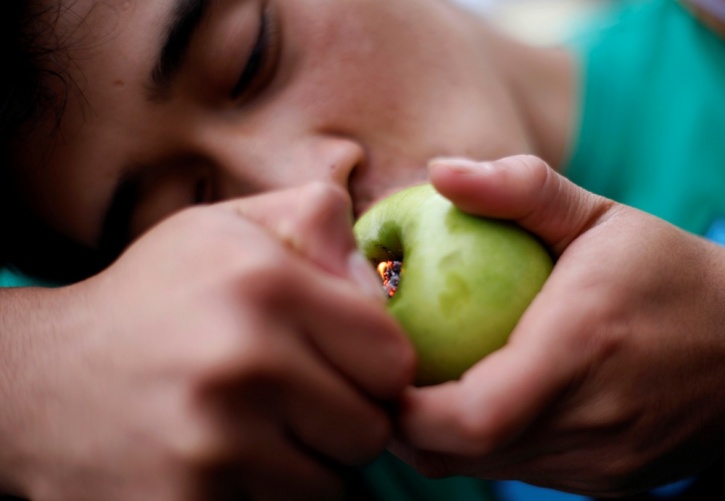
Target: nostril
{"type": "Point", "coordinates": [360, 197]}
{"type": "Point", "coordinates": [341, 159]}
{"type": "Point", "coordinates": [358, 186]}
{"type": "Point", "coordinates": [344, 154]}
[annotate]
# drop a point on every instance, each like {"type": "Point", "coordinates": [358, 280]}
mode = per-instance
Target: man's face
{"type": "Point", "coordinates": [177, 102]}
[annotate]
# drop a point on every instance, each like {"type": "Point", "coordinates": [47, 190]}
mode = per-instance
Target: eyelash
{"type": "Point", "coordinates": [258, 69]}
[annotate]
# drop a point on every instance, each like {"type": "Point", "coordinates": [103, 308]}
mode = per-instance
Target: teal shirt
{"type": "Point", "coordinates": [12, 278]}
{"type": "Point", "coordinates": [652, 133]}
{"type": "Point", "coordinates": [389, 479]}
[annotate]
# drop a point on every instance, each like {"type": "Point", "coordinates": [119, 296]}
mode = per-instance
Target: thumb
{"type": "Point", "coordinates": [522, 188]}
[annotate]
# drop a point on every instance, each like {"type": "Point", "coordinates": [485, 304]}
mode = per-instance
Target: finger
{"type": "Point", "coordinates": [333, 418]}
{"type": "Point", "coordinates": [280, 469]}
{"type": "Point", "coordinates": [540, 454]}
{"type": "Point", "coordinates": [522, 188]}
{"type": "Point", "coordinates": [314, 220]}
{"type": "Point", "coordinates": [355, 334]}
{"type": "Point", "coordinates": [333, 411]}
{"type": "Point", "coordinates": [326, 412]}
{"type": "Point", "coordinates": [500, 397]}
{"type": "Point", "coordinates": [558, 471]}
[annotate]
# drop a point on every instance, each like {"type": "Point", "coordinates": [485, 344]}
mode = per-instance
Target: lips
{"type": "Point", "coordinates": [379, 178]}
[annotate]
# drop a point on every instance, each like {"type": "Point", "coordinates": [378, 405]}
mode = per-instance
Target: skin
{"type": "Point", "coordinates": [323, 140]}
{"type": "Point", "coordinates": [365, 117]}
{"type": "Point", "coordinates": [256, 290]}
{"type": "Point", "coordinates": [159, 403]}
{"type": "Point", "coordinates": [616, 364]}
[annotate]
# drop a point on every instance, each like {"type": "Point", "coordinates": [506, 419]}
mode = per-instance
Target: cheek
{"type": "Point", "coordinates": [398, 77]}
{"type": "Point", "coordinates": [357, 64]}
{"type": "Point", "coordinates": [69, 201]}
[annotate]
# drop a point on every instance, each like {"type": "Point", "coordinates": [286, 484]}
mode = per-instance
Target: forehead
{"type": "Point", "coordinates": [105, 36]}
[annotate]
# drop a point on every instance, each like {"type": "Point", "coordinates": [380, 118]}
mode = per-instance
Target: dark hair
{"type": "Point", "coordinates": [33, 88]}
{"type": "Point", "coordinates": [20, 81]}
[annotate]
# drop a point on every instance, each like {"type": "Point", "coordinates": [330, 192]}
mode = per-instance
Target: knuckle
{"type": "Point", "coordinates": [265, 280]}
{"type": "Point", "coordinates": [537, 169]}
{"type": "Point", "coordinates": [326, 195]}
{"type": "Point", "coordinates": [476, 436]}
{"type": "Point", "coordinates": [321, 200]}
{"type": "Point", "coordinates": [395, 372]}
{"type": "Point", "coordinates": [205, 441]}
{"type": "Point", "coordinates": [236, 373]}
{"type": "Point", "coordinates": [260, 364]}
{"type": "Point", "coordinates": [256, 363]}
{"type": "Point", "coordinates": [259, 273]}
{"type": "Point", "coordinates": [378, 434]}
{"type": "Point", "coordinates": [196, 448]}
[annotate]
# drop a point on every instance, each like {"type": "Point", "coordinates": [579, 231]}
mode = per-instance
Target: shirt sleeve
{"type": "Point", "coordinates": [9, 277]}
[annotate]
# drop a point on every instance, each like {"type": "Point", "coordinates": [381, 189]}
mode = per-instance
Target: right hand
{"type": "Point", "coordinates": [611, 382]}
{"type": "Point", "coordinates": [229, 352]}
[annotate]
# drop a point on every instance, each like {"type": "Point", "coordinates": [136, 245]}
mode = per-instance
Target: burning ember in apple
{"type": "Point", "coordinates": [389, 272]}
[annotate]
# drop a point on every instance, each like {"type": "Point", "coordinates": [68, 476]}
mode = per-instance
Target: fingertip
{"type": "Point", "coordinates": [361, 272]}
{"type": "Point", "coordinates": [458, 178]}
{"type": "Point", "coordinates": [456, 165]}
{"type": "Point", "coordinates": [479, 188]}
{"type": "Point", "coordinates": [447, 171]}
{"type": "Point", "coordinates": [516, 167]}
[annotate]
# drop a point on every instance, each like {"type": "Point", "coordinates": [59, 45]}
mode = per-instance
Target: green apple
{"type": "Point", "coordinates": [464, 280]}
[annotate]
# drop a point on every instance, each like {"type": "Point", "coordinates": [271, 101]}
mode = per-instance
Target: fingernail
{"type": "Point", "coordinates": [363, 274]}
{"type": "Point", "coordinates": [456, 164]}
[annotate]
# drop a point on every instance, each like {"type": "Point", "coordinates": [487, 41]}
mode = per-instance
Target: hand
{"type": "Point", "coordinates": [612, 381]}
{"type": "Point", "coordinates": [230, 352]}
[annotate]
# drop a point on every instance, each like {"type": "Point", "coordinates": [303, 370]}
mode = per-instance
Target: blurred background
{"type": "Point", "coordinates": [537, 21]}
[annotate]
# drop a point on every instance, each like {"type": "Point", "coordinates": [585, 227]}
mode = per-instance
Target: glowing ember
{"type": "Point", "coordinates": [390, 273]}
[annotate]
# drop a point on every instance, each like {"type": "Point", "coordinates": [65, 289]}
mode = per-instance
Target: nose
{"type": "Point", "coordinates": [339, 159]}
{"type": "Point", "coordinates": [260, 167]}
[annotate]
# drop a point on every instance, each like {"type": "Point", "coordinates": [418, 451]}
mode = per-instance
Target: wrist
{"type": "Point", "coordinates": [32, 321]}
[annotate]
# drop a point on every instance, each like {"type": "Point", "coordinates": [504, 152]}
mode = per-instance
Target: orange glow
{"type": "Point", "coordinates": [389, 272]}
{"type": "Point", "coordinates": [383, 269]}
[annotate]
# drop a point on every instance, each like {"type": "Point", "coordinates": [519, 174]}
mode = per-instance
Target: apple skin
{"type": "Point", "coordinates": [465, 280]}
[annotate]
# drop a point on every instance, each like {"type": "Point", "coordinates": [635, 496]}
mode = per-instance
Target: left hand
{"type": "Point", "coordinates": [612, 382]}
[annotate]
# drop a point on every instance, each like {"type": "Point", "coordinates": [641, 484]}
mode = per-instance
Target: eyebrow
{"type": "Point", "coordinates": [185, 19]}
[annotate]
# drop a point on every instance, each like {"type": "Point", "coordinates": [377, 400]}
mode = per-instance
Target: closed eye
{"type": "Point", "coordinates": [260, 64]}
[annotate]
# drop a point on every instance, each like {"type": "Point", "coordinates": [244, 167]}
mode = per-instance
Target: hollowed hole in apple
{"type": "Point", "coordinates": [389, 272]}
